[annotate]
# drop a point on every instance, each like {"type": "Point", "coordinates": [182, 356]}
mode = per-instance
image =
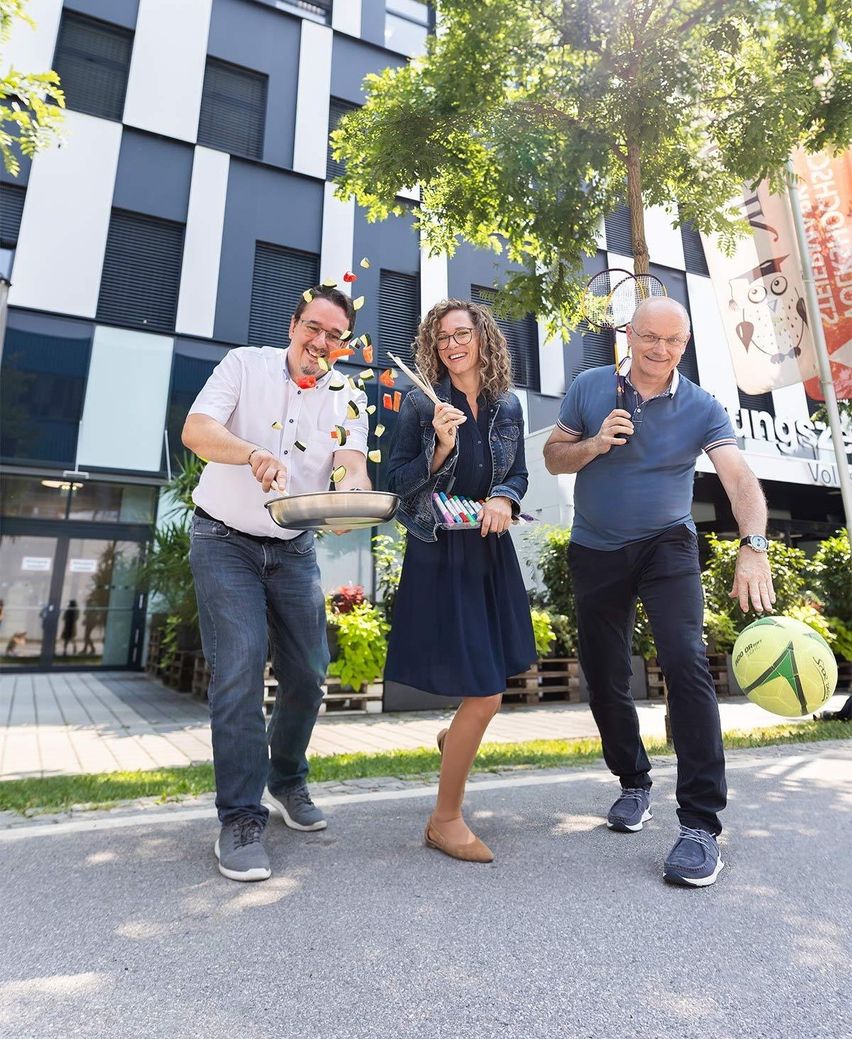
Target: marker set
{"type": "Point", "coordinates": [456, 511]}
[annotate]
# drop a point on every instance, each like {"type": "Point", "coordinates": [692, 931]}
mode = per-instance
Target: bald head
{"type": "Point", "coordinates": [662, 307]}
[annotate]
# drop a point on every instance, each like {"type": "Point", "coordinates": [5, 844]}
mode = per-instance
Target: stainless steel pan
{"type": "Point", "coordinates": [342, 510]}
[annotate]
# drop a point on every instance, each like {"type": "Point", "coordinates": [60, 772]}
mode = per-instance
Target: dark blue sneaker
{"type": "Point", "coordinates": [631, 810]}
{"type": "Point", "coordinates": [694, 860]}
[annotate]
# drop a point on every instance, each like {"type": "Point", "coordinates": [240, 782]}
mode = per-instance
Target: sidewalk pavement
{"type": "Point", "coordinates": [118, 925]}
{"type": "Point", "coordinates": [82, 722]}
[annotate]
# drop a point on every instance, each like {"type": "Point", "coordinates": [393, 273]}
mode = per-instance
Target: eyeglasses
{"type": "Point", "coordinates": [461, 335]}
{"type": "Point", "coordinates": [649, 339]}
{"type": "Point", "coordinates": [314, 330]}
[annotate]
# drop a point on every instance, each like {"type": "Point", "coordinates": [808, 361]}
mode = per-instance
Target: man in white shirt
{"type": "Point", "coordinates": [264, 423]}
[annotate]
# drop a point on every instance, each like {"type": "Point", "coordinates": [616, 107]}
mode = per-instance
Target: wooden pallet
{"type": "Point", "coordinates": [559, 678]}
{"type": "Point", "coordinates": [523, 688]}
{"type": "Point", "coordinates": [336, 697]}
{"type": "Point", "coordinates": [200, 677]}
{"type": "Point", "coordinates": [152, 661]}
{"type": "Point", "coordinates": [718, 671]}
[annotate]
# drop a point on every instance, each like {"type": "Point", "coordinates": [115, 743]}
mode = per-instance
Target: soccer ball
{"type": "Point", "coordinates": [784, 666]}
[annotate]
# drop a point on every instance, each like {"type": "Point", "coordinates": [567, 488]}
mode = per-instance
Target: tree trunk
{"type": "Point", "coordinates": [637, 212]}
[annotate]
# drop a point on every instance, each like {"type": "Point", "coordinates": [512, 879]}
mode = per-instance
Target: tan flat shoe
{"type": "Point", "coordinates": [474, 851]}
{"type": "Point", "coordinates": [442, 735]}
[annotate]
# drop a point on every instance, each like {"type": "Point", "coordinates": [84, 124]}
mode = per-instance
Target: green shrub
{"type": "Point", "coordinates": [789, 576]}
{"type": "Point", "coordinates": [831, 571]}
{"type": "Point", "coordinates": [543, 631]}
{"type": "Point", "coordinates": [362, 645]}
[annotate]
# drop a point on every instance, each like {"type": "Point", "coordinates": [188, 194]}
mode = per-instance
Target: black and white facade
{"type": "Point", "coordinates": [188, 206]}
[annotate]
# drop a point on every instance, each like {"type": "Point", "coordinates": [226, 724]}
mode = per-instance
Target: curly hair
{"type": "Point", "coordinates": [495, 362]}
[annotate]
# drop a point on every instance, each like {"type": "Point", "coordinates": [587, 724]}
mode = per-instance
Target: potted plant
{"type": "Point", "coordinates": [362, 645]}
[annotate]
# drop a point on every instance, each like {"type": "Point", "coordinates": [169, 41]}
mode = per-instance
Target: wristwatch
{"type": "Point", "coordinates": [756, 542]}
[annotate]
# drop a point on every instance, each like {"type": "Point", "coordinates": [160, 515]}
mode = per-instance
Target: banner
{"type": "Point", "coordinates": [761, 298]}
{"type": "Point", "coordinates": [825, 192]}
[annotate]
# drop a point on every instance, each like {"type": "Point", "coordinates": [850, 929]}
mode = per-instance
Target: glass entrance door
{"type": "Point", "coordinates": [69, 602]}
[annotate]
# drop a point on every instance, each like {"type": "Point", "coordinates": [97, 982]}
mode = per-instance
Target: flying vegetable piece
{"type": "Point", "coordinates": [349, 277]}
{"type": "Point", "coordinates": [387, 401]}
{"type": "Point", "coordinates": [352, 409]}
{"type": "Point", "coordinates": [371, 409]}
{"type": "Point", "coordinates": [277, 425]}
{"type": "Point", "coordinates": [343, 351]}
{"type": "Point", "coordinates": [365, 263]}
{"type": "Point", "coordinates": [367, 353]}
{"type": "Point", "coordinates": [306, 382]}
{"type": "Point", "coordinates": [397, 400]}
{"type": "Point", "coordinates": [338, 474]}
{"type": "Point", "coordinates": [329, 283]}
{"type": "Point", "coordinates": [366, 374]}
{"type": "Point", "coordinates": [336, 385]}
{"type": "Point", "coordinates": [307, 295]}
{"type": "Point", "coordinates": [340, 435]}
{"type": "Point", "coordinates": [346, 333]}
{"type": "Point", "coordinates": [375, 456]}
{"type": "Point", "coordinates": [323, 364]}
{"type": "Point", "coordinates": [358, 303]}
{"type": "Point", "coordinates": [377, 432]}
{"type": "Point", "coordinates": [388, 377]}
{"type": "Point", "coordinates": [299, 446]}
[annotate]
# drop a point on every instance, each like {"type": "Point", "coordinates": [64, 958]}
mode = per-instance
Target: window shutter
{"type": "Point", "coordinates": [598, 350]}
{"type": "Point", "coordinates": [757, 401]}
{"type": "Point", "coordinates": [337, 108]}
{"type": "Point", "coordinates": [618, 237]}
{"type": "Point", "coordinates": [399, 315]}
{"type": "Point", "coordinates": [693, 249]}
{"type": "Point", "coordinates": [93, 59]}
{"type": "Point", "coordinates": [521, 337]}
{"type": "Point", "coordinates": [280, 277]}
{"type": "Point", "coordinates": [233, 109]}
{"type": "Point", "coordinates": [141, 277]}
{"type": "Point", "coordinates": [11, 207]}
{"type": "Point", "coordinates": [689, 362]}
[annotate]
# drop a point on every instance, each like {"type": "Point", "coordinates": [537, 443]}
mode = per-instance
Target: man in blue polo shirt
{"type": "Point", "coordinates": [633, 538]}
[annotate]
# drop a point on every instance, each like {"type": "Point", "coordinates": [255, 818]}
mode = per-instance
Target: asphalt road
{"type": "Point", "coordinates": [122, 927]}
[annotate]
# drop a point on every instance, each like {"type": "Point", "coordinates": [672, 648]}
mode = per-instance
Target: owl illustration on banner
{"type": "Point", "coordinates": [773, 316]}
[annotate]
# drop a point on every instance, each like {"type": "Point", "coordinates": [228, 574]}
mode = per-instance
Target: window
{"type": "Point", "coordinates": [41, 402]}
{"type": "Point", "coordinates": [693, 249]}
{"type": "Point", "coordinates": [233, 109]}
{"type": "Point", "coordinates": [189, 374]}
{"type": "Point", "coordinates": [141, 277]}
{"type": "Point", "coordinates": [337, 108]}
{"type": "Point", "coordinates": [280, 277]}
{"type": "Point", "coordinates": [521, 335]}
{"type": "Point", "coordinates": [618, 237]}
{"type": "Point", "coordinates": [92, 59]}
{"type": "Point", "coordinates": [407, 24]}
{"type": "Point", "coordinates": [399, 315]}
{"type": "Point", "coordinates": [598, 350]}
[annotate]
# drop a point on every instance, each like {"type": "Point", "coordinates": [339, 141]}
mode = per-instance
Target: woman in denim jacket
{"type": "Point", "coordinates": [461, 623]}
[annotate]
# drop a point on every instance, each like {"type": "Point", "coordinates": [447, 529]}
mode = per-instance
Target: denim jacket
{"type": "Point", "coordinates": [409, 473]}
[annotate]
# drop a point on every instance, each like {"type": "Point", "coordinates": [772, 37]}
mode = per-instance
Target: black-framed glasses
{"type": "Point", "coordinates": [649, 339]}
{"type": "Point", "coordinates": [462, 336]}
{"type": "Point", "coordinates": [314, 330]}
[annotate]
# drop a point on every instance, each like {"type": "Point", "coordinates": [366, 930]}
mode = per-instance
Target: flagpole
{"type": "Point", "coordinates": [821, 351]}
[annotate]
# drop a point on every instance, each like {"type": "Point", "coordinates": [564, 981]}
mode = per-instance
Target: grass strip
{"type": "Point", "coordinates": [57, 793]}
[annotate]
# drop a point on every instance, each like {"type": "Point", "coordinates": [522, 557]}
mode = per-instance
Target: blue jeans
{"type": "Point", "coordinates": [663, 572]}
{"type": "Point", "coordinates": [253, 594]}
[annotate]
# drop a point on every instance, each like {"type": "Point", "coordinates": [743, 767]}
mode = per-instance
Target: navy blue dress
{"type": "Point", "coordinates": [461, 621]}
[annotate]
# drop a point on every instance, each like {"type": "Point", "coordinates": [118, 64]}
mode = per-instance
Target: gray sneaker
{"type": "Point", "coordinates": [694, 861]}
{"type": "Point", "coordinates": [631, 810]}
{"type": "Point", "coordinates": [240, 850]}
{"type": "Point", "coordinates": [297, 809]}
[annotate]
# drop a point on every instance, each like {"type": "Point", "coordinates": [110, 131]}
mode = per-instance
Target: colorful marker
{"type": "Point", "coordinates": [442, 508]}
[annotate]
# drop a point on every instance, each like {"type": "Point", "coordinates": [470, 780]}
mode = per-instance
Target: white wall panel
{"type": "Point", "coordinates": [31, 49]}
{"type": "Point", "coordinates": [434, 279]}
{"type": "Point", "coordinates": [127, 393]}
{"type": "Point", "coordinates": [715, 368]}
{"type": "Point", "coordinates": [199, 280]}
{"type": "Point", "coordinates": [551, 364]}
{"type": "Point", "coordinates": [167, 67]}
{"type": "Point", "coordinates": [346, 17]}
{"type": "Point", "coordinates": [65, 222]}
{"type": "Point", "coordinates": [664, 242]}
{"type": "Point", "coordinates": [791, 402]}
{"type": "Point", "coordinates": [338, 238]}
{"type": "Point", "coordinates": [312, 100]}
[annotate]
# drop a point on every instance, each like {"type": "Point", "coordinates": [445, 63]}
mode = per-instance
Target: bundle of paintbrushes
{"type": "Point", "coordinates": [457, 512]}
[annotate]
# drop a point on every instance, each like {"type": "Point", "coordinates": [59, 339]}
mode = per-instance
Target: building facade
{"type": "Point", "coordinates": [186, 210]}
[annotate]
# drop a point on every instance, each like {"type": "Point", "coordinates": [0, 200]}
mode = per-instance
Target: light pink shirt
{"type": "Point", "coordinates": [249, 392]}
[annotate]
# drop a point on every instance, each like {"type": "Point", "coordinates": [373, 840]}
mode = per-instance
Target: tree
{"type": "Point", "coordinates": [528, 121]}
{"type": "Point", "coordinates": [31, 103]}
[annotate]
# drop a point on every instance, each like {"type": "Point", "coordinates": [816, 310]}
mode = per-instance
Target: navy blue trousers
{"type": "Point", "coordinates": [663, 572]}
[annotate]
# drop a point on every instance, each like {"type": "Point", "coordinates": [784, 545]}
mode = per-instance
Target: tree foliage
{"type": "Point", "coordinates": [528, 121]}
{"type": "Point", "coordinates": [31, 103]}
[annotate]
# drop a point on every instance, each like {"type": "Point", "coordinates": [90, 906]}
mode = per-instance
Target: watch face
{"type": "Point", "coordinates": [757, 542]}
